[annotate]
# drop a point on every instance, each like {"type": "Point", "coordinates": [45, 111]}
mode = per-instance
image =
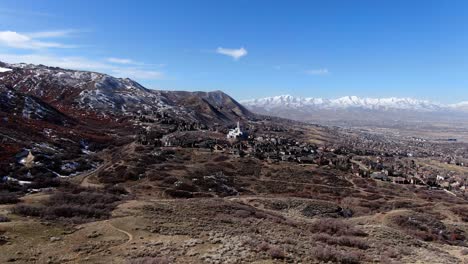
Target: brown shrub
{"type": "Point", "coordinates": [44, 182]}
{"type": "Point", "coordinates": [149, 260]}
{"type": "Point", "coordinates": [417, 223]}
{"type": "Point", "coordinates": [264, 246]}
{"type": "Point", "coordinates": [429, 228]}
{"type": "Point", "coordinates": [170, 180]}
{"type": "Point", "coordinates": [330, 254]}
{"type": "Point", "coordinates": [276, 252]}
{"type": "Point", "coordinates": [4, 219]}
{"type": "Point", "coordinates": [346, 241]}
{"type": "Point", "coordinates": [333, 226]}
{"type": "Point", "coordinates": [117, 190]}
{"type": "Point", "coordinates": [373, 205]}
{"type": "Point", "coordinates": [186, 187]}
{"type": "Point", "coordinates": [75, 203]}
{"type": "Point", "coordinates": [242, 213]}
{"type": "Point", "coordinates": [77, 212]}
{"type": "Point", "coordinates": [10, 186]}
{"type": "Point", "coordinates": [120, 174]}
{"type": "Point", "coordinates": [88, 197]}
{"type": "Point", "coordinates": [8, 198]}
{"type": "Point", "coordinates": [461, 211]}
{"type": "Point", "coordinates": [27, 210]}
{"type": "Point", "coordinates": [221, 158]}
{"type": "Point", "coordinates": [178, 193]}
{"type": "Point", "coordinates": [157, 176]}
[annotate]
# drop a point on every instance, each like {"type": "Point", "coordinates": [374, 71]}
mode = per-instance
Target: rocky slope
{"type": "Point", "coordinates": [63, 115]}
{"type": "Point", "coordinates": [30, 107]}
{"type": "Point", "coordinates": [210, 106]}
{"type": "Point", "coordinates": [81, 93]}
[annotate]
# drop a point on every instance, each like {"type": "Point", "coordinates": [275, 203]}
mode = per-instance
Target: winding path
{"type": "Point", "coordinates": [85, 180]}
{"type": "Point", "coordinates": [130, 236]}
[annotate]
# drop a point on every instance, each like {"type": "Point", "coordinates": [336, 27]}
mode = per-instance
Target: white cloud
{"type": "Point", "coordinates": [121, 61]}
{"type": "Point", "coordinates": [322, 71]}
{"type": "Point", "coordinates": [81, 63]}
{"type": "Point", "coordinates": [129, 62]}
{"type": "Point", "coordinates": [22, 41]}
{"type": "Point", "coordinates": [78, 63]}
{"type": "Point", "coordinates": [50, 34]}
{"type": "Point", "coordinates": [234, 53]}
{"type": "Point", "coordinates": [40, 53]}
{"type": "Point", "coordinates": [138, 73]}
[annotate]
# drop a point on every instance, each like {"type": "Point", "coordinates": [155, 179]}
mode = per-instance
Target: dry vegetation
{"type": "Point", "coordinates": [180, 205]}
{"type": "Point", "coordinates": [74, 204]}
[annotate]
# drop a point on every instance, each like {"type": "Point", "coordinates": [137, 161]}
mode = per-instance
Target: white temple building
{"type": "Point", "coordinates": [235, 133]}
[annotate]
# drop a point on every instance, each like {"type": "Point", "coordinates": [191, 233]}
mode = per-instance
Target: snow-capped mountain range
{"type": "Point", "coordinates": [347, 102]}
{"type": "Point", "coordinates": [353, 110]}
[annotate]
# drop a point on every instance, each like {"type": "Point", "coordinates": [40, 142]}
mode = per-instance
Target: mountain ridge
{"type": "Point", "coordinates": [395, 103]}
{"type": "Point", "coordinates": [81, 93]}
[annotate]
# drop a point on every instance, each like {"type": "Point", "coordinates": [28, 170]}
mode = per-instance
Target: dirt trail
{"type": "Point", "coordinates": [85, 180]}
{"type": "Point", "coordinates": [129, 235]}
{"type": "Point", "coordinates": [109, 157]}
{"type": "Point", "coordinates": [78, 258]}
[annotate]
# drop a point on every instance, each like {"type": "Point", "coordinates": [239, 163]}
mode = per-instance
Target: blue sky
{"type": "Point", "coordinates": [252, 49]}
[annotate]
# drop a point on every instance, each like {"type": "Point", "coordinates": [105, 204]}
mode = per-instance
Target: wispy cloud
{"type": "Point", "coordinates": [138, 73]}
{"type": "Point", "coordinates": [121, 61]}
{"type": "Point", "coordinates": [70, 62]}
{"type": "Point", "coordinates": [82, 63]}
{"type": "Point", "coordinates": [322, 71]}
{"type": "Point", "coordinates": [125, 61]}
{"type": "Point", "coordinates": [51, 34]}
{"type": "Point", "coordinates": [236, 54]}
{"type": "Point", "coordinates": [17, 40]}
{"type": "Point", "coordinates": [41, 50]}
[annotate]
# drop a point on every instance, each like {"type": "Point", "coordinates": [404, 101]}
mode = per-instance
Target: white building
{"type": "Point", "coordinates": [235, 133]}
